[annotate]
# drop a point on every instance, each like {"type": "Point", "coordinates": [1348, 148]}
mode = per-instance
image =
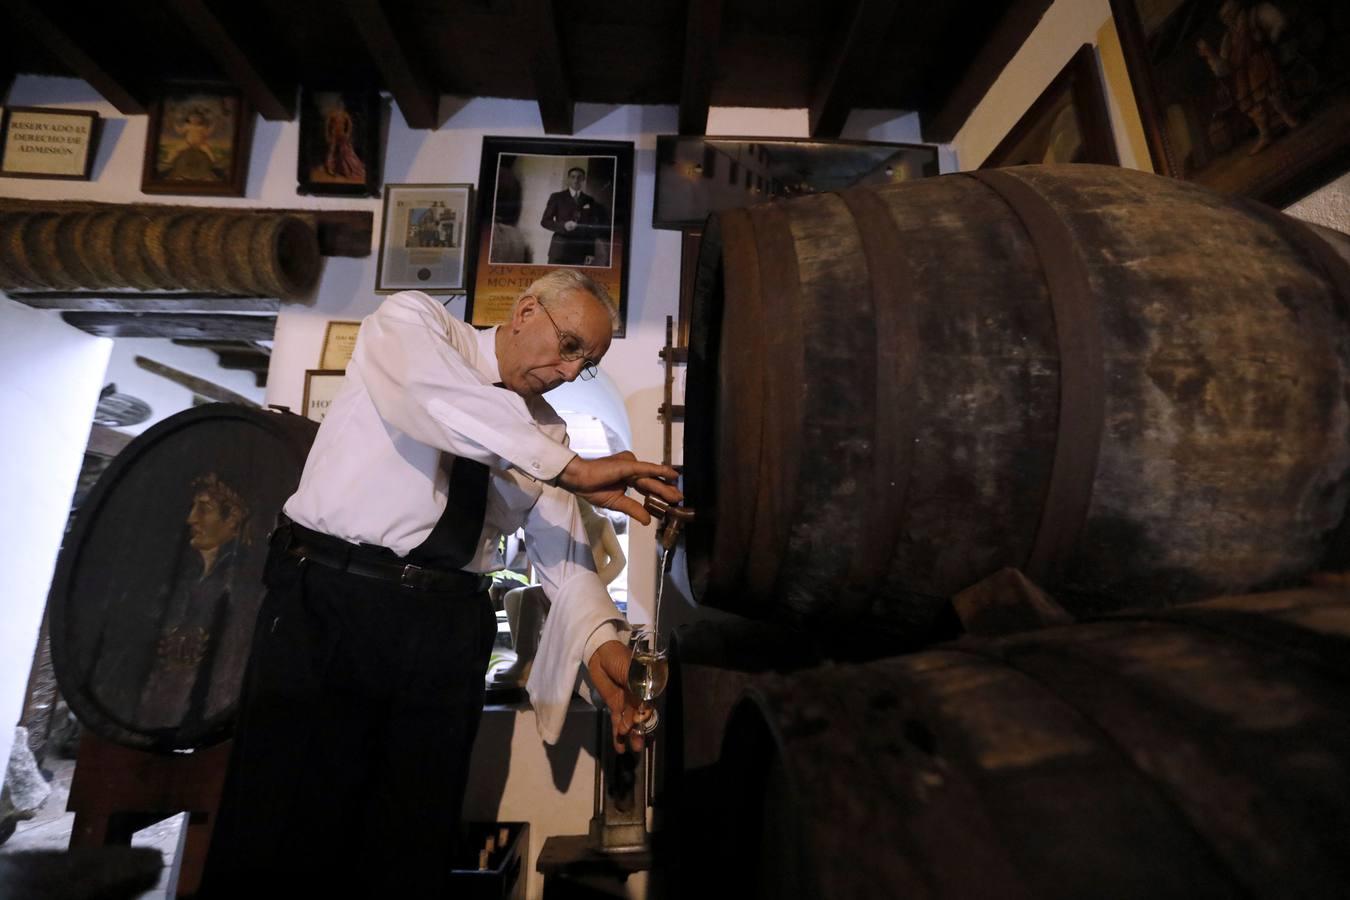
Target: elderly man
{"type": "Point", "coordinates": [367, 676]}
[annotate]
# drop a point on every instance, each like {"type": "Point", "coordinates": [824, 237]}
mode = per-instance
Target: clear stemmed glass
{"type": "Point", "coordinates": [647, 674]}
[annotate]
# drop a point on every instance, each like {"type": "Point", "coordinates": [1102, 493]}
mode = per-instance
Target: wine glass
{"type": "Point", "coordinates": [647, 674]}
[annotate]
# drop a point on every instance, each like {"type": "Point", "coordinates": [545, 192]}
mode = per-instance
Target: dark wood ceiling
{"type": "Point", "coordinates": [831, 56]}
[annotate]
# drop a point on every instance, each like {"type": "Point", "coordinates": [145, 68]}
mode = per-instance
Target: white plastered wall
{"type": "Point", "coordinates": [50, 375]}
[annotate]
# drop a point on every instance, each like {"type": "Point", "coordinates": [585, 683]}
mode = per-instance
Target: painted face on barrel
{"type": "Point", "coordinates": [209, 524]}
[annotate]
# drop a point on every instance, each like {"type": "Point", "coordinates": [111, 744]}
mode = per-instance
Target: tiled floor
{"type": "Point", "coordinates": [50, 829]}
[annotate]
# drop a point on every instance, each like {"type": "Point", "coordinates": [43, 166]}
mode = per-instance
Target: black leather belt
{"type": "Point", "coordinates": [368, 561]}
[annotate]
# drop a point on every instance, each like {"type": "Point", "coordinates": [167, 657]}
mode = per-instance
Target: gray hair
{"type": "Point", "coordinates": [550, 287]}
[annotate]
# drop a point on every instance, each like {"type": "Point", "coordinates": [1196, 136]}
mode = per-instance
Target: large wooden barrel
{"type": "Point", "coordinates": [1125, 385]}
{"type": "Point", "coordinates": [1198, 751]}
{"type": "Point", "coordinates": [159, 581]}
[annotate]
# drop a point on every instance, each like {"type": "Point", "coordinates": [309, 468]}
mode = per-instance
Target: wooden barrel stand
{"type": "Point", "coordinates": [117, 791]}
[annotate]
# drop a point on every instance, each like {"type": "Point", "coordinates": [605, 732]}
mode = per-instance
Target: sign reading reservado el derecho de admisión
{"type": "Point", "coordinates": [48, 143]}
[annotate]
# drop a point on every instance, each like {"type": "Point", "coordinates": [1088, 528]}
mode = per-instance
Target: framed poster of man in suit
{"type": "Point", "coordinates": [548, 204]}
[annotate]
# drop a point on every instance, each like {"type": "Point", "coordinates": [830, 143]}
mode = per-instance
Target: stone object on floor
{"type": "Point", "coordinates": [94, 873]}
{"type": "Point", "coordinates": [25, 790]}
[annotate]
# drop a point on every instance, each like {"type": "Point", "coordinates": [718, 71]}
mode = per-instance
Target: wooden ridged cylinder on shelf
{"type": "Point", "coordinates": [1127, 386]}
{"type": "Point", "coordinates": [283, 256]}
{"type": "Point", "coordinates": [148, 249]}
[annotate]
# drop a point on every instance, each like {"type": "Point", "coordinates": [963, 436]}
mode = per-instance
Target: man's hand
{"type": "Point", "coordinates": [608, 669]}
{"type": "Point", "coordinates": [603, 482]}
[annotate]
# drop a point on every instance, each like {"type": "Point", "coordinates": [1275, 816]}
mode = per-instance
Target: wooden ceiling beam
{"type": "Point", "coordinates": [702, 37]}
{"type": "Point", "coordinates": [417, 98]}
{"type": "Point", "coordinates": [552, 87]}
{"type": "Point", "coordinates": [941, 123]}
{"type": "Point", "coordinates": [856, 52]}
{"type": "Point", "coordinates": [34, 23]}
{"type": "Point", "coordinates": [274, 99]}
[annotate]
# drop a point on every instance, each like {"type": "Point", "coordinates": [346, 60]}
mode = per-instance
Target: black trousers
{"type": "Point", "coordinates": [361, 702]}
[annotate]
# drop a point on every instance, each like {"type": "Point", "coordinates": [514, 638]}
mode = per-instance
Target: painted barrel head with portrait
{"type": "Point", "coordinates": [160, 580]}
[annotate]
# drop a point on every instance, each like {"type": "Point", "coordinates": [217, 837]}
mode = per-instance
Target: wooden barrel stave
{"type": "Point", "coordinates": [983, 402]}
{"type": "Point", "coordinates": [1121, 758]}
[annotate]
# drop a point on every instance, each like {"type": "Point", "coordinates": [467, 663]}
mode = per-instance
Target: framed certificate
{"type": "Point", "coordinates": [339, 340]}
{"type": "Point", "coordinates": [424, 238]}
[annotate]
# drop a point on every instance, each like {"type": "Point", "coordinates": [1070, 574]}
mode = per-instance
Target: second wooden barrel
{"type": "Point", "coordinates": [1195, 752]}
{"type": "Point", "coordinates": [1125, 385]}
{"type": "Point", "coordinates": [160, 579]}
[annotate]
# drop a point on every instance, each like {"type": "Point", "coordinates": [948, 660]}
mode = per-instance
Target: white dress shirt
{"type": "Point", "coordinates": [421, 382]}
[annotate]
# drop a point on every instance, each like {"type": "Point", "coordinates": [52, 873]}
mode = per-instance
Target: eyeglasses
{"type": "Point", "coordinates": [570, 348]}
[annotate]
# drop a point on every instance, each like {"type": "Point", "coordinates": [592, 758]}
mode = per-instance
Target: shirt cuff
{"type": "Point", "coordinates": [605, 631]}
{"type": "Point", "coordinates": [547, 461]}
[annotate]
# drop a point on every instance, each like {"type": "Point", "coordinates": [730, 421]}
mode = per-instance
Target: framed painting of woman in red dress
{"type": "Point", "coordinates": [340, 138]}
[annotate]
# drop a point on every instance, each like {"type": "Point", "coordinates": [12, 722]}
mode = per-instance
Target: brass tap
{"type": "Point", "coordinates": [673, 518]}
